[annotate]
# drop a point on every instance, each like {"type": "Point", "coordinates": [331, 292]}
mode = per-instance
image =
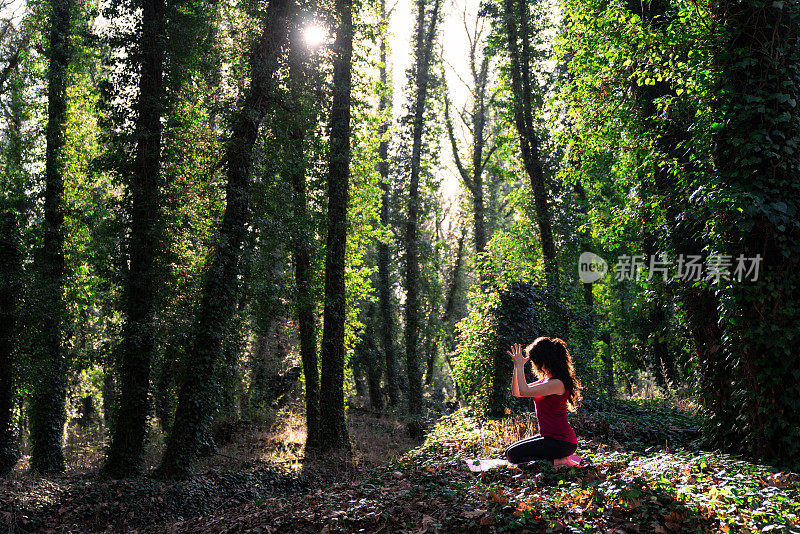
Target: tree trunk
{"type": "Point", "coordinates": [10, 272]}
{"type": "Point", "coordinates": [607, 356]}
{"type": "Point", "coordinates": [166, 372]}
{"type": "Point", "coordinates": [448, 317]}
{"type": "Point", "coordinates": [384, 280]}
{"type": "Point", "coordinates": [515, 18]}
{"type": "Point", "coordinates": [663, 369]}
{"type": "Point", "coordinates": [423, 51]}
{"type": "Point", "coordinates": [374, 378]}
{"type": "Point", "coordinates": [685, 229]}
{"type": "Point", "coordinates": [473, 178]}
{"type": "Point", "coordinates": [47, 403]}
{"type": "Point", "coordinates": [301, 249]}
{"type": "Point", "coordinates": [218, 297]}
{"type": "Point", "coordinates": [479, 112]}
{"type": "Point", "coordinates": [10, 281]}
{"type": "Point", "coordinates": [127, 442]}
{"type": "Point", "coordinates": [586, 246]}
{"type": "Point", "coordinates": [756, 105]}
{"type": "Point", "coordinates": [333, 426]}
{"type": "Point", "coordinates": [370, 359]}
{"type": "Point", "coordinates": [430, 359]}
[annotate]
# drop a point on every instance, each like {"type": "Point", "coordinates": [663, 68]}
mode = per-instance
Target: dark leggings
{"type": "Point", "coordinates": [539, 448]}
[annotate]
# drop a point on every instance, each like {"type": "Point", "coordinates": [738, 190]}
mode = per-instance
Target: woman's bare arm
{"type": "Point", "coordinates": [514, 385]}
{"type": "Point", "coordinates": [538, 389]}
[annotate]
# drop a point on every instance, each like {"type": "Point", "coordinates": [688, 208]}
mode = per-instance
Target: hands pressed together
{"type": "Point", "coordinates": [517, 354]}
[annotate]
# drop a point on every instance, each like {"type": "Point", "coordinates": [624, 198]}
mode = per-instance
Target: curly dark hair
{"type": "Point", "coordinates": [550, 356]}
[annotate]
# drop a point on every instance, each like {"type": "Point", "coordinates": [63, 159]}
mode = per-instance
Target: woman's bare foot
{"type": "Point", "coordinates": [564, 462]}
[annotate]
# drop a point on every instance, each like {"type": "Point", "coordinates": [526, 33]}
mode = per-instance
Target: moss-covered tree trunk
{"type": "Point", "coordinates": [333, 425]}
{"type": "Point", "coordinates": [218, 299]}
{"type": "Point", "coordinates": [368, 358]}
{"type": "Point", "coordinates": [47, 403]}
{"type": "Point", "coordinates": [305, 302]}
{"type": "Point", "coordinates": [525, 313]}
{"type": "Point", "coordinates": [130, 424]}
{"type": "Point", "coordinates": [657, 304]}
{"type": "Point", "coordinates": [423, 49]}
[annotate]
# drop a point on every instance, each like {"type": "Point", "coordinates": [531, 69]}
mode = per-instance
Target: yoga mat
{"type": "Point", "coordinates": [484, 464]}
{"type": "Point", "coordinates": [481, 465]}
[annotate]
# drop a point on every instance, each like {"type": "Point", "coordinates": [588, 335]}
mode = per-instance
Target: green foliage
{"type": "Point", "coordinates": [475, 347]}
{"type": "Point", "coordinates": [695, 122]}
{"type": "Point", "coordinates": [515, 312]}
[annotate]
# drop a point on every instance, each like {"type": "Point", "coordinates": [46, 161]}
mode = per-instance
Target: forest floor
{"type": "Point", "coordinates": [648, 474]}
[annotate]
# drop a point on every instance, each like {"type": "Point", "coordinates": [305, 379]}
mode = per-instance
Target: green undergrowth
{"type": "Point", "coordinates": [647, 475]}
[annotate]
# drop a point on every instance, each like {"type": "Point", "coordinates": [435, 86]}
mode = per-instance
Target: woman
{"type": "Point", "coordinates": [556, 390]}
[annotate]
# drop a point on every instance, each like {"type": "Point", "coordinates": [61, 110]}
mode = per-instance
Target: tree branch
{"type": "Point", "coordinates": [459, 165]}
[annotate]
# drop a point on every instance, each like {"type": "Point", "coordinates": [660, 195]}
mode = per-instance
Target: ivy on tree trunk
{"type": "Point", "coordinates": [130, 424]}
{"type": "Point", "coordinates": [333, 425]}
{"type": "Point", "coordinates": [425, 34]}
{"type": "Point", "coordinates": [47, 403]}
{"type": "Point", "coordinates": [218, 299]}
{"type": "Point", "coordinates": [384, 279]}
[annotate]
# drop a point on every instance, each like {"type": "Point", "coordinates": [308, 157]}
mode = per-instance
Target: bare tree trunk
{"type": "Point", "coordinates": [333, 425]}
{"type": "Point", "coordinates": [218, 298]}
{"type": "Point", "coordinates": [127, 443]}
{"type": "Point", "coordinates": [47, 403]}
{"type": "Point", "coordinates": [423, 51]}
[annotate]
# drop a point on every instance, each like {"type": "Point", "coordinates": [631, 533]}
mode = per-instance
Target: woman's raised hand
{"type": "Point", "coordinates": [517, 354]}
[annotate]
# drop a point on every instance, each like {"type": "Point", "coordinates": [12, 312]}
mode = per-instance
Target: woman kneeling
{"type": "Point", "coordinates": [556, 390]}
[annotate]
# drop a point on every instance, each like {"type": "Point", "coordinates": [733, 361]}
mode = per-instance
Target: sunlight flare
{"type": "Point", "coordinates": [314, 35]}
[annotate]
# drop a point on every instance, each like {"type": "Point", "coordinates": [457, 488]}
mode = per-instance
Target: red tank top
{"type": "Point", "coordinates": [551, 414]}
